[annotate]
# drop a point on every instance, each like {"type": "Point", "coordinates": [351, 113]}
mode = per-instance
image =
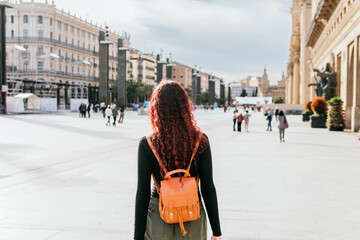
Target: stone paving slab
{"type": "Point", "coordinates": [62, 177]}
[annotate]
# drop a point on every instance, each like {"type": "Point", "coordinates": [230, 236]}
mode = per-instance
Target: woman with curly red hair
{"type": "Point", "coordinates": [174, 138]}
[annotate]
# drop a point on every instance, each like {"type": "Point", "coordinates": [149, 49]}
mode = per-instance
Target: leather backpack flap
{"type": "Point", "coordinates": [179, 195]}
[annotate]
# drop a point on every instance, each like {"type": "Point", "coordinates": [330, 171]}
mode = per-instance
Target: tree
{"type": "Point", "coordinates": [131, 89]}
{"type": "Point", "coordinates": [188, 91]}
{"type": "Point", "coordinates": [279, 100]}
{"type": "Point", "coordinates": [138, 91]}
{"type": "Point", "coordinates": [243, 93]}
{"type": "Point", "coordinates": [204, 97]}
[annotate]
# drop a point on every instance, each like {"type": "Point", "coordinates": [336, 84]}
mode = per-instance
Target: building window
{"type": "Point", "coordinates": [12, 33]}
{"type": "Point", "coordinates": [50, 21]}
{"type": "Point", "coordinates": [26, 65]}
{"type": "Point", "coordinates": [40, 34]}
{"type": "Point", "coordinates": [39, 19]}
{"type": "Point", "coordinates": [26, 19]}
{"type": "Point", "coordinates": [40, 51]}
{"type": "Point", "coordinates": [51, 36]}
{"type": "Point", "coordinates": [59, 24]}
{"type": "Point", "coordinates": [12, 19]}
{"type": "Point", "coordinates": [59, 38]}
{"type": "Point", "coordinates": [26, 33]}
{"type": "Point", "coordinates": [40, 66]}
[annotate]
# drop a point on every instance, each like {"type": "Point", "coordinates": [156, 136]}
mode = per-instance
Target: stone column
{"type": "Point", "coordinates": [193, 86]}
{"type": "Point", "coordinates": [355, 115]}
{"type": "Point", "coordinates": [122, 74]}
{"type": "Point", "coordinates": [198, 89]}
{"type": "Point", "coordinates": [160, 67]}
{"type": "Point", "coordinates": [296, 82]}
{"type": "Point", "coordinates": [104, 91]}
{"type": "Point", "coordinates": [305, 77]}
{"type": "Point", "coordinates": [222, 91]}
{"type": "Point", "coordinates": [3, 82]}
{"type": "Point", "coordinates": [211, 91]}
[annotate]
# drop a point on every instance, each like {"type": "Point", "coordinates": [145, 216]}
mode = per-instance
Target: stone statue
{"type": "Point", "coordinates": [327, 82]}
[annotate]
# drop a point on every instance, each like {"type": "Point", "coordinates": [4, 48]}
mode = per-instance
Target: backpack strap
{"type": "Point", "coordinates": [158, 158]}
{"type": "Point", "coordinates": [195, 150]}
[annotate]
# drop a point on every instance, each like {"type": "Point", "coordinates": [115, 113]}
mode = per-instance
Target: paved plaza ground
{"type": "Point", "coordinates": [67, 178]}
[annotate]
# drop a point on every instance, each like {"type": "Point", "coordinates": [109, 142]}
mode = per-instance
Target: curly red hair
{"type": "Point", "coordinates": [175, 131]}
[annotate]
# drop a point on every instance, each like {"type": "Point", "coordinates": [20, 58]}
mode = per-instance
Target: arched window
{"type": "Point", "coordinates": [39, 19]}
{"type": "Point", "coordinates": [26, 18]}
{"type": "Point", "coordinates": [40, 34]}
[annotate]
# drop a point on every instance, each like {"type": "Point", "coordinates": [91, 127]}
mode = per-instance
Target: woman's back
{"type": "Point", "coordinates": [174, 138]}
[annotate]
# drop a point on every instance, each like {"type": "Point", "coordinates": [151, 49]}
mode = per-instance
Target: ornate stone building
{"type": "Point", "coordinates": [326, 31]}
{"type": "Point", "coordinates": [55, 54]}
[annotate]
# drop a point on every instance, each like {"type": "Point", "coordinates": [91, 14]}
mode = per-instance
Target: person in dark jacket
{"type": "Point", "coordinates": [88, 108]}
{"type": "Point", "coordinates": [240, 118]}
{"type": "Point", "coordinates": [83, 110]}
{"type": "Point", "coordinates": [114, 114]}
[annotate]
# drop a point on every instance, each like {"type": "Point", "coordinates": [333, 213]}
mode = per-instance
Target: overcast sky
{"type": "Point", "coordinates": [231, 38]}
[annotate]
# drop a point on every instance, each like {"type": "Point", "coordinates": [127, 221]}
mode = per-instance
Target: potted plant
{"type": "Point", "coordinates": [336, 114]}
{"type": "Point", "coordinates": [307, 112]}
{"type": "Point", "coordinates": [319, 107]}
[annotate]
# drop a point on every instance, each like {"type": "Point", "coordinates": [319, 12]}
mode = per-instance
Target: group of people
{"type": "Point", "coordinates": [83, 108]}
{"type": "Point", "coordinates": [113, 111]}
{"type": "Point", "coordinates": [281, 118]}
{"type": "Point", "coordinates": [239, 119]}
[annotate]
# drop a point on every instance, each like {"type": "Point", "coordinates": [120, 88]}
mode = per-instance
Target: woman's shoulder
{"type": "Point", "coordinates": [144, 141]}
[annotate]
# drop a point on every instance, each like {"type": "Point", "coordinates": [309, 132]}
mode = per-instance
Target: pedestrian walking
{"type": "Point", "coordinates": [234, 120]}
{"type": "Point", "coordinates": [83, 110]}
{"type": "Point", "coordinates": [269, 119]}
{"type": "Point", "coordinates": [108, 114]}
{"type": "Point", "coordinates": [246, 119]}
{"type": "Point", "coordinates": [88, 108]}
{"type": "Point", "coordinates": [240, 118]}
{"type": "Point", "coordinates": [187, 151]}
{"type": "Point", "coordinates": [80, 110]}
{"type": "Point", "coordinates": [283, 124]}
{"type": "Point", "coordinates": [114, 114]}
{"type": "Point", "coordinates": [276, 113]}
{"type": "Point", "coordinates": [122, 114]}
{"type": "Point", "coordinates": [103, 108]}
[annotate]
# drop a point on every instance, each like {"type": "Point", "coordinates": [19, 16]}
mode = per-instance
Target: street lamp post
{"type": "Point", "coordinates": [3, 82]}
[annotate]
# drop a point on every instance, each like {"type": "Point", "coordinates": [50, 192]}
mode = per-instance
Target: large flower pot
{"type": "Point", "coordinates": [306, 117]}
{"type": "Point", "coordinates": [339, 128]}
{"type": "Point", "coordinates": [318, 121]}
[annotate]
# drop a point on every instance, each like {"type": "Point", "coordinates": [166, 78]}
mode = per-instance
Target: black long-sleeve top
{"type": "Point", "coordinates": [148, 164]}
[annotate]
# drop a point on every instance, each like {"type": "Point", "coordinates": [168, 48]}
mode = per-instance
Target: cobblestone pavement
{"type": "Point", "coordinates": [66, 178]}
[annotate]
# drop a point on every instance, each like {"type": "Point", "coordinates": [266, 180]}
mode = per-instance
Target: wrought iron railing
{"type": "Point", "coordinates": [59, 73]}
{"type": "Point", "coordinates": [49, 40]}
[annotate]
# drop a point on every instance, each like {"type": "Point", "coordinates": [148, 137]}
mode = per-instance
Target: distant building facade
{"type": "Point", "coordinates": [274, 91]}
{"type": "Point", "coordinates": [142, 67]}
{"type": "Point", "coordinates": [326, 32]}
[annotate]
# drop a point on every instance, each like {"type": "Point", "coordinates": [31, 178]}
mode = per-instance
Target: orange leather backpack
{"type": "Point", "coordinates": [178, 196]}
